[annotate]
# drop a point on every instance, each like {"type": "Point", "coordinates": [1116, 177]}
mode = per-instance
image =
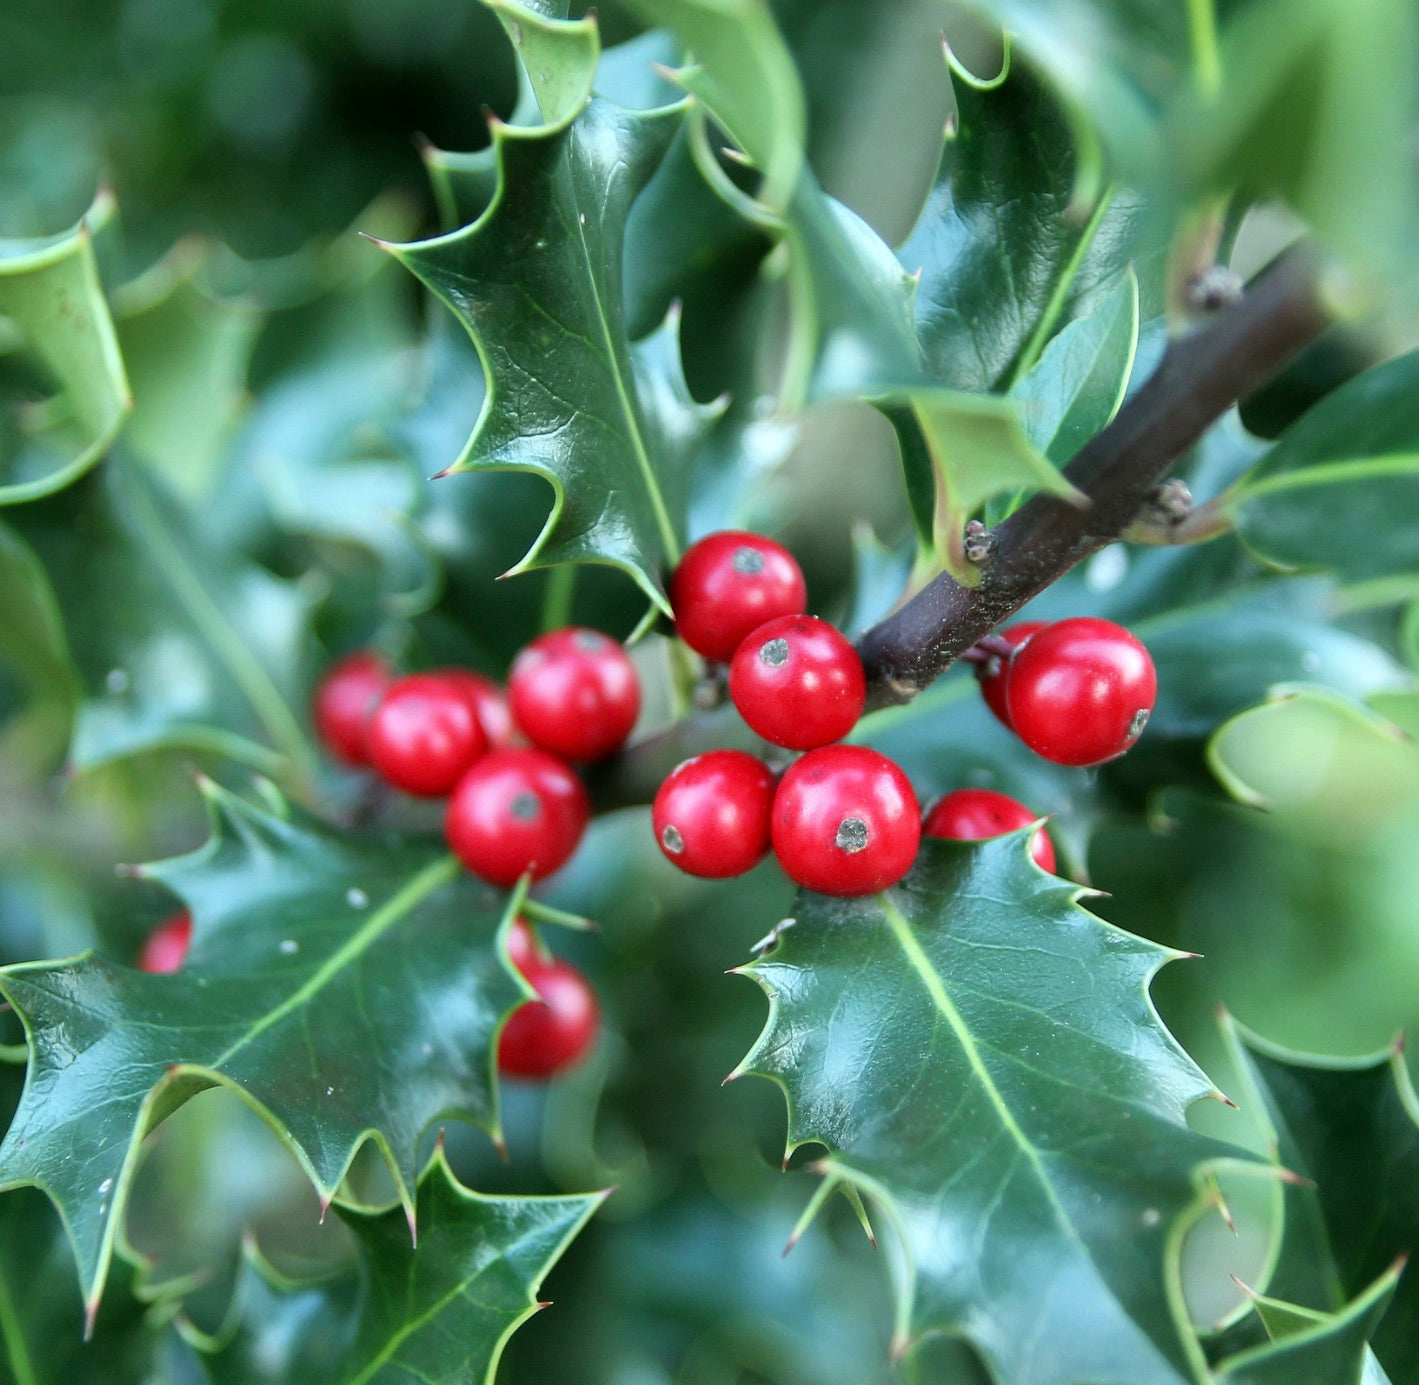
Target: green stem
{"type": "Point", "coordinates": [15, 1347]}
{"type": "Point", "coordinates": [557, 598]}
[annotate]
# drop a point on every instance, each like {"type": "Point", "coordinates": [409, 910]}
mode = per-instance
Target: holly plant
{"type": "Point", "coordinates": [557, 565]}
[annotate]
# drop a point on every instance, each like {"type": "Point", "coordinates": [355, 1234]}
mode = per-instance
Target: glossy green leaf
{"type": "Point", "coordinates": [1311, 104]}
{"type": "Point", "coordinates": [744, 73]}
{"type": "Point", "coordinates": [42, 1326]}
{"type": "Point", "coordinates": [1316, 1349]}
{"type": "Point", "coordinates": [1337, 489]}
{"type": "Point", "coordinates": [1077, 385]}
{"type": "Point", "coordinates": [568, 399]}
{"type": "Point", "coordinates": [62, 384]}
{"type": "Point", "coordinates": [440, 1314]}
{"type": "Point", "coordinates": [1005, 256]}
{"type": "Point", "coordinates": [308, 945]}
{"type": "Point", "coordinates": [1278, 99]}
{"type": "Point", "coordinates": [558, 55]}
{"type": "Point", "coordinates": [1115, 65]}
{"type": "Point", "coordinates": [1351, 1127]}
{"type": "Point", "coordinates": [980, 1057]}
{"type": "Point", "coordinates": [175, 645]}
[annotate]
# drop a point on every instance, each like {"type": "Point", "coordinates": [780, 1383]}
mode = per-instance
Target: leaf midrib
{"type": "Point", "coordinates": [657, 501]}
{"type": "Point", "coordinates": [936, 989]}
{"type": "Point", "coordinates": [437, 873]}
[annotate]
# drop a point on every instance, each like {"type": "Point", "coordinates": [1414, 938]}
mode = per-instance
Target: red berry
{"type": "Point", "coordinates": [971, 815]}
{"type": "Point", "coordinates": [798, 682]}
{"type": "Point", "coordinates": [166, 947]}
{"type": "Point", "coordinates": [514, 811]}
{"type": "Point", "coordinates": [994, 671]}
{"type": "Point", "coordinates": [729, 584]}
{"type": "Point", "coordinates": [711, 815]}
{"type": "Point", "coordinates": [490, 705]}
{"type": "Point", "coordinates": [845, 821]}
{"type": "Point", "coordinates": [1081, 691]}
{"type": "Point", "coordinates": [343, 701]}
{"type": "Point", "coordinates": [545, 1037]}
{"type": "Point", "coordinates": [575, 692]}
{"type": "Point", "coordinates": [424, 734]}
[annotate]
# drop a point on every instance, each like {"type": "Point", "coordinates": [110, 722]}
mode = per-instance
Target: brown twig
{"type": "Point", "coordinates": [1201, 375]}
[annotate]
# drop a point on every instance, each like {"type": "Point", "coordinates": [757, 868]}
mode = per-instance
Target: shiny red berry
{"type": "Point", "coordinates": [514, 811]}
{"type": "Point", "coordinates": [424, 734]}
{"type": "Point", "coordinates": [727, 585]}
{"type": "Point", "coordinates": [994, 671]}
{"type": "Point", "coordinates": [575, 692]}
{"type": "Point", "coordinates": [547, 1036]}
{"type": "Point", "coordinates": [711, 815]}
{"type": "Point", "coordinates": [1081, 691]}
{"type": "Point", "coordinates": [343, 701]}
{"type": "Point", "coordinates": [166, 947]}
{"type": "Point", "coordinates": [798, 682]}
{"type": "Point", "coordinates": [971, 815]}
{"type": "Point", "coordinates": [490, 705]}
{"type": "Point", "coordinates": [845, 821]}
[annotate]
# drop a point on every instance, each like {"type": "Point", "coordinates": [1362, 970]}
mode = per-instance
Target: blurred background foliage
{"type": "Point", "coordinates": [292, 396]}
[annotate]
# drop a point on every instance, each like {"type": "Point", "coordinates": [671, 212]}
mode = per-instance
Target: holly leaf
{"type": "Point", "coordinates": [44, 1343]}
{"type": "Point", "coordinates": [980, 1058]}
{"type": "Point", "coordinates": [62, 383]}
{"type": "Point", "coordinates": [1360, 762]}
{"type": "Point", "coordinates": [992, 258]}
{"type": "Point", "coordinates": [1350, 1127]}
{"type": "Point", "coordinates": [557, 54]}
{"type": "Point", "coordinates": [441, 1313]}
{"type": "Point", "coordinates": [959, 451]}
{"type": "Point", "coordinates": [1006, 251]}
{"type": "Point", "coordinates": [611, 428]}
{"type": "Point", "coordinates": [1275, 99]}
{"type": "Point", "coordinates": [743, 72]}
{"type": "Point", "coordinates": [1075, 388]}
{"type": "Point", "coordinates": [174, 644]}
{"type": "Point", "coordinates": [348, 989]}
{"type": "Point", "coordinates": [1335, 491]}
{"type": "Point", "coordinates": [1315, 1348]}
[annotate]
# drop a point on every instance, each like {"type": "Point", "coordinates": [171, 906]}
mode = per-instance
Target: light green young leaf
{"type": "Point", "coordinates": [743, 73]}
{"type": "Point", "coordinates": [1315, 1348]}
{"type": "Point", "coordinates": [1077, 385]}
{"type": "Point", "coordinates": [60, 343]}
{"type": "Point", "coordinates": [558, 54]}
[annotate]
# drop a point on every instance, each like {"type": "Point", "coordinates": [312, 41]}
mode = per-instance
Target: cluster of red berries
{"type": "Point", "coordinates": [504, 761]}
{"type": "Point", "coordinates": [843, 819]}
{"type": "Point", "coordinates": [514, 808]}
